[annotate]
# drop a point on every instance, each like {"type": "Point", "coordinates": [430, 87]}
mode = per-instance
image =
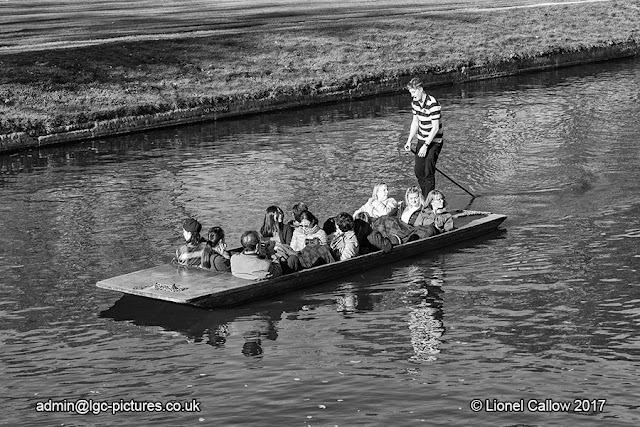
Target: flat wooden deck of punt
{"type": "Point", "coordinates": [204, 288]}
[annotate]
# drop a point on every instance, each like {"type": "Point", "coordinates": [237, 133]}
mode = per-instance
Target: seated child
{"type": "Point", "coordinates": [219, 258]}
{"type": "Point", "coordinates": [195, 253]}
{"type": "Point", "coordinates": [435, 213]}
{"type": "Point", "coordinates": [380, 203]}
{"type": "Point", "coordinates": [307, 232]}
{"type": "Point", "coordinates": [248, 265]}
{"type": "Point", "coordinates": [413, 203]}
{"type": "Point", "coordinates": [296, 210]}
{"type": "Point", "coordinates": [344, 244]}
{"type": "Point", "coordinates": [273, 227]}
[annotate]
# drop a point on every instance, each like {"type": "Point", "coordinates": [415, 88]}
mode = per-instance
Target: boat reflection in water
{"type": "Point", "coordinates": [256, 322]}
{"type": "Point", "coordinates": [199, 325]}
{"type": "Point", "coordinates": [415, 292]}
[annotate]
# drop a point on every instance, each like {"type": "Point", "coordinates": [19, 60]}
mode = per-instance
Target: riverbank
{"type": "Point", "coordinates": [81, 92]}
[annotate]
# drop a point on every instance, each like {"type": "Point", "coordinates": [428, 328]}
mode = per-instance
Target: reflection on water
{"type": "Point", "coordinates": [548, 308]}
{"type": "Point", "coordinates": [425, 321]}
{"type": "Point", "coordinates": [347, 303]}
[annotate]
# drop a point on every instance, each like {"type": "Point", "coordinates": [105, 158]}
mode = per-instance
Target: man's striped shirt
{"type": "Point", "coordinates": [427, 111]}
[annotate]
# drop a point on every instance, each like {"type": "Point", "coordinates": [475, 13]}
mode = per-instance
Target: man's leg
{"type": "Point", "coordinates": [430, 168]}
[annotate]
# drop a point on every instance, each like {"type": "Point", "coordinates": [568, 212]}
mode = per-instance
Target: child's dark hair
{"type": "Point", "coordinates": [216, 234]}
{"type": "Point", "coordinates": [344, 221]}
{"type": "Point", "coordinates": [329, 226]}
{"type": "Point", "coordinates": [310, 217]}
{"type": "Point", "coordinates": [270, 225]}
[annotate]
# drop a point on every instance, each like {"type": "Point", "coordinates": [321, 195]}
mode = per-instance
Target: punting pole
{"type": "Point", "coordinates": [451, 179]}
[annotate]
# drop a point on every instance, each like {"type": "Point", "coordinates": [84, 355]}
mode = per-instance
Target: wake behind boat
{"type": "Point", "coordinates": [205, 288]}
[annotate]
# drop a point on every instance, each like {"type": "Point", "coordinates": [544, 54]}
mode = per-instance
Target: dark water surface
{"type": "Point", "coordinates": [547, 308]}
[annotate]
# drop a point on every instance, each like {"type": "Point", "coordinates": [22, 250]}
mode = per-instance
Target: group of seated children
{"type": "Point", "coordinates": [210, 253]}
{"type": "Point", "coordinates": [281, 248]}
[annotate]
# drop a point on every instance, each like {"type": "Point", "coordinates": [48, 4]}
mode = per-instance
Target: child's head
{"type": "Point", "coordinates": [344, 222]}
{"type": "Point", "coordinates": [274, 213]}
{"type": "Point", "coordinates": [191, 230]}
{"type": "Point", "coordinates": [308, 220]}
{"type": "Point", "coordinates": [413, 197]}
{"type": "Point", "coordinates": [297, 209]}
{"type": "Point", "coordinates": [215, 236]}
{"type": "Point", "coordinates": [273, 218]}
{"type": "Point", "coordinates": [329, 226]}
{"type": "Point", "coordinates": [380, 191]}
{"type": "Point", "coordinates": [436, 200]}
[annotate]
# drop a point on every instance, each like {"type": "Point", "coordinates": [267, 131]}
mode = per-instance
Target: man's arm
{"type": "Point", "coordinates": [412, 132]}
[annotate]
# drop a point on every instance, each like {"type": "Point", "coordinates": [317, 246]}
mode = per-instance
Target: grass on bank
{"type": "Point", "coordinates": [43, 91]}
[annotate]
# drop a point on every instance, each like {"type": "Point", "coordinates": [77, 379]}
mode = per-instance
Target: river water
{"type": "Point", "coordinates": [547, 308]}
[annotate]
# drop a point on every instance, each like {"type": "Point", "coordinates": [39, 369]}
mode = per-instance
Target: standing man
{"type": "Point", "coordinates": [427, 126]}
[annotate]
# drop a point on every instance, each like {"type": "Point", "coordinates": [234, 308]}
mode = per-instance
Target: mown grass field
{"type": "Point", "coordinates": [69, 63]}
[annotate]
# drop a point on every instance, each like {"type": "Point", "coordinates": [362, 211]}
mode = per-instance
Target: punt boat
{"type": "Point", "coordinates": [211, 289]}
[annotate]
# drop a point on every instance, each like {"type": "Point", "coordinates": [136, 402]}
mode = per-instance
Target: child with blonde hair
{"type": "Point", "coordinates": [380, 203]}
{"type": "Point", "coordinates": [435, 212]}
{"type": "Point", "coordinates": [413, 203]}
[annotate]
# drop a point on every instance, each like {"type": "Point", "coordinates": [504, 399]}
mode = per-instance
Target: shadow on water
{"type": "Point", "coordinates": [198, 324]}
